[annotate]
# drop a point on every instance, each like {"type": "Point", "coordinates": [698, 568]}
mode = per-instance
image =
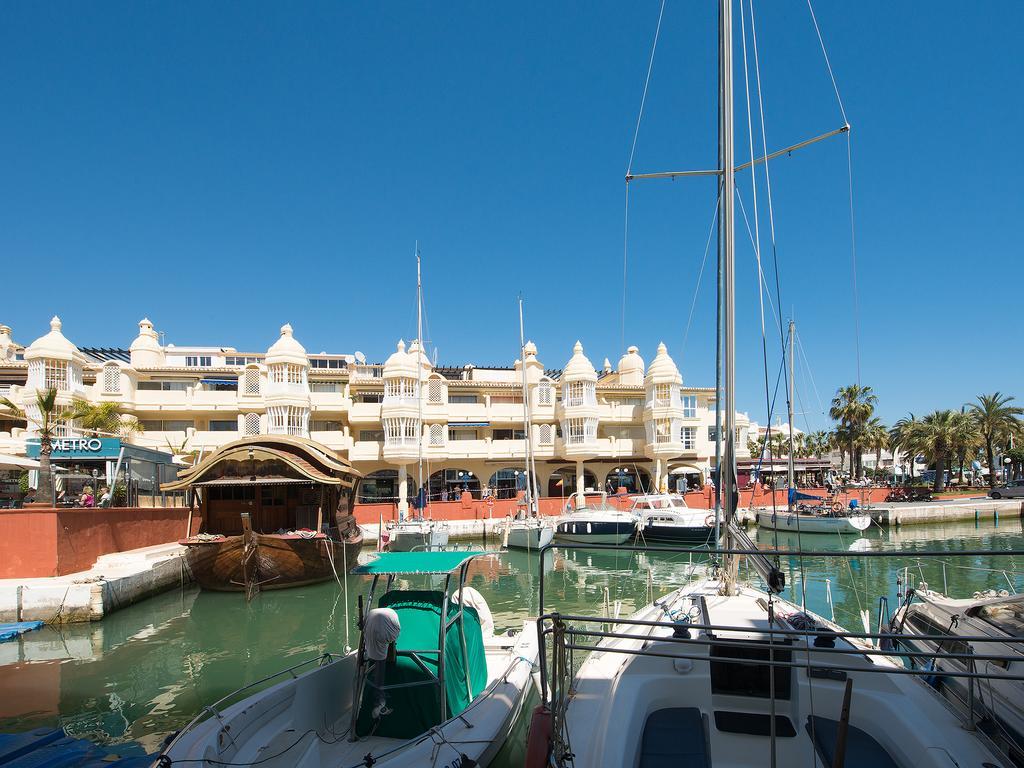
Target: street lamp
{"type": "Point", "coordinates": [1006, 471]}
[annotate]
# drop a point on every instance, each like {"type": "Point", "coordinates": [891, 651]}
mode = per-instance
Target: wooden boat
{"type": "Point", "coordinates": [275, 512]}
{"type": "Point", "coordinates": [269, 560]}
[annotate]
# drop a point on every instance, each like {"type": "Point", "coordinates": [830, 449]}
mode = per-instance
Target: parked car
{"type": "Point", "coordinates": [1011, 490]}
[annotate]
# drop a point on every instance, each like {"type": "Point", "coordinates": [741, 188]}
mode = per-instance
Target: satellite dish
{"type": "Point", "coordinates": [360, 358]}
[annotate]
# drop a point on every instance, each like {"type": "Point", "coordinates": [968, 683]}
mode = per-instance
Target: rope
{"type": "Point", "coordinates": [707, 249]}
{"type": "Point", "coordinates": [828, 64]}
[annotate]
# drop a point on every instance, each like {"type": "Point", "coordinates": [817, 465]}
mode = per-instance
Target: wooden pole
{"type": "Point", "coordinates": [839, 758]}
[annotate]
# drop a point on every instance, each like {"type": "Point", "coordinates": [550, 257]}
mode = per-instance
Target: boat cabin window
{"type": "Point", "coordinates": [925, 625]}
{"type": "Point", "coordinates": [1008, 616]}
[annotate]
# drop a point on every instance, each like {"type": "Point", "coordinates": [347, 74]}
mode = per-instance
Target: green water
{"type": "Point", "coordinates": [146, 670]}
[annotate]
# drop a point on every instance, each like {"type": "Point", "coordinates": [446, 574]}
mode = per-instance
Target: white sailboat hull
{"type": "Point", "coordinates": [303, 722]}
{"type": "Point", "coordinates": [529, 536]}
{"type": "Point", "coordinates": [793, 521]}
{"type": "Point", "coordinates": [716, 716]}
{"type": "Point", "coordinates": [417, 537]}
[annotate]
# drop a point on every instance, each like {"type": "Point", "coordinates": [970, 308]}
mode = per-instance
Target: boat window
{"type": "Point", "coordinates": [926, 625]}
{"type": "Point", "coordinates": [1008, 616]}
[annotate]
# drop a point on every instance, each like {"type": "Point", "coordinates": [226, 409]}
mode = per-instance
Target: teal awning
{"type": "Point", "coordinates": [415, 562]}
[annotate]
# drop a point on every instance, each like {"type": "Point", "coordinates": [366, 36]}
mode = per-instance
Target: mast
{"type": "Point", "coordinates": [789, 494]}
{"type": "Point", "coordinates": [530, 496]}
{"type": "Point", "coordinates": [419, 373]}
{"type": "Point", "coordinates": [727, 166]}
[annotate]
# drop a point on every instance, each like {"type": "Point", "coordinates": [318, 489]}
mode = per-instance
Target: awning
{"type": "Point", "coordinates": [236, 481]}
{"type": "Point", "coordinates": [415, 562]}
{"type": "Point", "coordinates": [219, 381]}
{"type": "Point", "coordinates": [469, 423]}
{"type": "Point", "coordinates": [17, 462]}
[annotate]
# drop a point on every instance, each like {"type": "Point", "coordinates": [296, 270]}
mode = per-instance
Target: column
{"type": "Point", "coordinates": [403, 493]}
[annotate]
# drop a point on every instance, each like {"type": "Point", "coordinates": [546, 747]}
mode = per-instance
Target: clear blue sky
{"type": "Point", "coordinates": [226, 167]}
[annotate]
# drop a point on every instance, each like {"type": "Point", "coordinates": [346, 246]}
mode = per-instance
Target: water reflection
{"type": "Point", "coordinates": [146, 670]}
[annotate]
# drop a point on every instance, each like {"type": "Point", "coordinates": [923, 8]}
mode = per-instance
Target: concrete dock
{"type": "Point", "coordinates": [114, 581]}
{"type": "Point", "coordinates": [914, 513]}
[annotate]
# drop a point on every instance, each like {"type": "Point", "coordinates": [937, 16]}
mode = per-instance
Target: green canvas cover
{"type": "Point", "coordinates": [414, 562]}
{"type": "Point", "coordinates": [416, 709]}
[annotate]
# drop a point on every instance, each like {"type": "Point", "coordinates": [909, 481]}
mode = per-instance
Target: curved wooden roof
{"type": "Point", "coordinates": [307, 458]}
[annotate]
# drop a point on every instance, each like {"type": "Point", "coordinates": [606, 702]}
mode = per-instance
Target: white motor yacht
{"type": "Point", "coordinates": [416, 535]}
{"type": "Point", "coordinates": [664, 518]}
{"type": "Point", "coordinates": [590, 519]}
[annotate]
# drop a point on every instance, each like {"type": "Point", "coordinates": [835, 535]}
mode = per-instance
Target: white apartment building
{"type": "Point", "coordinates": [632, 426]}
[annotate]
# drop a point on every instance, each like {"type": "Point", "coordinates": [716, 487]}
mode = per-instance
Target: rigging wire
{"type": "Point", "coordinates": [629, 167]}
{"type": "Point", "coordinates": [700, 274]}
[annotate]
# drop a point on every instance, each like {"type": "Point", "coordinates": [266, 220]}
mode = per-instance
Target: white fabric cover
{"type": "Point", "coordinates": [474, 599]}
{"type": "Point", "coordinates": [380, 628]}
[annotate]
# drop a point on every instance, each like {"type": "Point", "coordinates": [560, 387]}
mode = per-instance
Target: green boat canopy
{"type": "Point", "coordinates": [388, 563]}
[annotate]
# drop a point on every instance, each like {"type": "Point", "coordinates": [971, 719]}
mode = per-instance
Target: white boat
{"type": "Point", "coordinates": [810, 522]}
{"type": "Point", "coordinates": [998, 703]}
{"type": "Point", "coordinates": [664, 518]}
{"type": "Point", "coordinates": [659, 693]}
{"type": "Point", "coordinates": [526, 533]}
{"type": "Point", "coordinates": [416, 535]}
{"type": "Point", "coordinates": [324, 714]}
{"type": "Point", "coordinates": [593, 520]}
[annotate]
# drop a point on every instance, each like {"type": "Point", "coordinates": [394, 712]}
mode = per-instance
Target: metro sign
{"type": "Point", "coordinates": [69, 444]}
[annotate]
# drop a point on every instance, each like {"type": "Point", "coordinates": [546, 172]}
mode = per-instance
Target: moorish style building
{"type": "Point", "coordinates": [632, 426]}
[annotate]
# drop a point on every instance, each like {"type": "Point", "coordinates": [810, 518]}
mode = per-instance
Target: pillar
{"type": "Point", "coordinates": [403, 493]}
{"type": "Point", "coordinates": [580, 484]}
{"type": "Point", "coordinates": [659, 482]}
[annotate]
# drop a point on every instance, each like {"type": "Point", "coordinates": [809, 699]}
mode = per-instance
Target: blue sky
{"type": "Point", "coordinates": [227, 167]}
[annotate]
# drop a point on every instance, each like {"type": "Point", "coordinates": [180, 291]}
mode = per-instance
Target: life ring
{"type": "Point", "coordinates": [837, 507]}
{"type": "Point", "coordinates": [709, 521]}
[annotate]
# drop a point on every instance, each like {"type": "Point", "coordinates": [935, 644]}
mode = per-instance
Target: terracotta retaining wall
{"type": "Point", "coordinates": [54, 542]}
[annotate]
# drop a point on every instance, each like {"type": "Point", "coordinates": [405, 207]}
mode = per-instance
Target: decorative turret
{"type": "Point", "coordinates": [8, 349]}
{"type": "Point", "coordinates": [146, 351]}
{"type": "Point", "coordinates": [54, 362]}
{"type": "Point", "coordinates": [401, 407]}
{"type": "Point", "coordinates": [534, 368]}
{"type": "Point", "coordinates": [287, 392]}
{"type": "Point", "coordinates": [631, 368]}
{"type": "Point", "coordinates": [663, 414]}
{"type": "Point", "coordinates": [578, 409]}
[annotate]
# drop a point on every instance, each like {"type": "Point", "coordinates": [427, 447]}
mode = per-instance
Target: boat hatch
{"type": "Point", "coordinates": [741, 670]}
{"type": "Point", "coordinates": [1007, 616]}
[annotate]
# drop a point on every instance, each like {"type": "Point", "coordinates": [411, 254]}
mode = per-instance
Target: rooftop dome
{"type": "Point", "coordinates": [579, 368]}
{"type": "Point", "coordinates": [53, 346]}
{"type": "Point", "coordinates": [663, 368]}
{"type": "Point", "coordinates": [286, 349]}
{"type": "Point", "coordinates": [631, 367]}
{"type": "Point", "coordinates": [7, 345]}
{"type": "Point", "coordinates": [398, 357]}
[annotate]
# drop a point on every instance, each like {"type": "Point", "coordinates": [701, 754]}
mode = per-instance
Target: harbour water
{"type": "Point", "coordinates": [146, 670]}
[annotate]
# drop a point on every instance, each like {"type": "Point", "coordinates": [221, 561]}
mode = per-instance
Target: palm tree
{"type": "Point", "coordinates": [819, 443]}
{"type": "Point", "coordinates": [967, 440]}
{"type": "Point", "coordinates": [902, 438]}
{"type": "Point", "coordinates": [997, 420]}
{"type": "Point", "coordinates": [104, 418]}
{"type": "Point", "coordinates": [46, 422]}
{"type": "Point", "coordinates": [853, 407]}
{"type": "Point", "coordinates": [936, 435]}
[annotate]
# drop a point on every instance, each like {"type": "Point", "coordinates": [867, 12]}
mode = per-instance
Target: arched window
{"type": "Point", "coordinates": [252, 423]}
{"type": "Point", "coordinates": [435, 392]}
{"type": "Point", "coordinates": [563, 482]}
{"type": "Point", "coordinates": [544, 434]}
{"type": "Point", "coordinates": [379, 486]}
{"type": "Point", "coordinates": [437, 434]}
{"type": "Point", "coordinates": [544, 393]}
{"type": "Point", "coordinates": [631, 477]}
{"type": "Point", "coordinates": [111, 379]}
{"type": "Point", "coordinates": [448, 484]}
{"type": "Point", "coordinates": [251, 381]}
{"type": "Point", "coordinates": [506, 483]}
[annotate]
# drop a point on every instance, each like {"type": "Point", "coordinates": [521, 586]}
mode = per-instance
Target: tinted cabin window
{"type": "Point", "coordinates": [742, 671]}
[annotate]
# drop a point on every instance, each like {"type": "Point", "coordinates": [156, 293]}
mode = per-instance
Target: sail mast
{"type": "Point", "coordinates": [419, 373]}
{"type": "Point", "coordinates": [528, 441]}
{"type": "Point", "coordinates": [728, 476]}
{"type": "Point", "coordinates": [789, 494]}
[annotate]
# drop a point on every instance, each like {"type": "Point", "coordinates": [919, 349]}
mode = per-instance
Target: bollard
{"type": "Point", "coordinates": [975, 518]}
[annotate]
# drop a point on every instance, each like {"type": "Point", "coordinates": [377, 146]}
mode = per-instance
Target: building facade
{"type": "Point", "coordinates": [459, 428]}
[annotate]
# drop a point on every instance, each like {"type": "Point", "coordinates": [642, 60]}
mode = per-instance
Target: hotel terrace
{"type": "Point", "coordinates": [631, 426]}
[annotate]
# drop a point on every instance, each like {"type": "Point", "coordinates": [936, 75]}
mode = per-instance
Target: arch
{"type": "Point", "coordinates": [379, 486]}
{"type": "Point", "coordinates": [447, 484]}
{"type": "Point", "coordinates": [631, 477]}
{"type": "Point", "coordinates": [563, 481]}
{"type": "Point", "coordinates": [685, 477]}
{"type": "Point", "coordinates": [507, 482]}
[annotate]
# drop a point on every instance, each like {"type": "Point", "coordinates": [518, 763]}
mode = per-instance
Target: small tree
{"type": "Point", "coordinates": [46, 424]}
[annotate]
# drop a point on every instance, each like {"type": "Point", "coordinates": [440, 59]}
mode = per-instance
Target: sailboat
{"type": "Point", "coordinates": [723, 673]}
{"type": "Point", "coordinates": [822, 517]}
{"type": "Point", "coordinates": [527, 530]}
{"type": "Point", "coordinates": [421, 532]}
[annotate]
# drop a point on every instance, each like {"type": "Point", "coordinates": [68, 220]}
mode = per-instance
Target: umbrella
{"type": "Point", "coordinates": [17, 462]}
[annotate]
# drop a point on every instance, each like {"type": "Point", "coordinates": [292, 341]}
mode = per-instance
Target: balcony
{"type": "Point", "coordinates": [333, 439]}
{"type": "Point", "coordinates": [210, 440]}
{"type": "Point", "coordinates": [207, 399]}
{"type": "Point", "coordinates": [281, 388]}
{"type": "Point", "coordinates": [165, 400]}
{"type": "Point", "coordinates": [364, 413]}
{"type": "Point", "coordinates": [365, 450]}
{"type": "Point", "coordinates": [329, 401]}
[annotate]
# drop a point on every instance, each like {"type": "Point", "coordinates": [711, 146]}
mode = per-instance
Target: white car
{"type": "Point", "coordinates": [1011, 490]}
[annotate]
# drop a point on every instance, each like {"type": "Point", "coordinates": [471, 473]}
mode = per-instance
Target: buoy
{"type": "Point", "coordinates": [538, 741]}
